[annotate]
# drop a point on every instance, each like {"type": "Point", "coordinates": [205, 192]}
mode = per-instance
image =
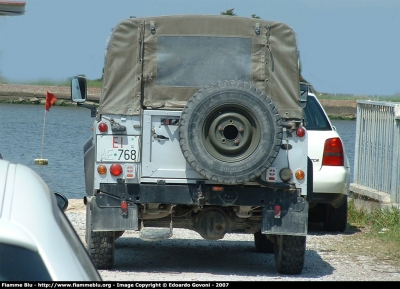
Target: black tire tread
{"type": "Point", "coordinates": [290, 253]}
{"type": "Point", "coordinates": [101, 249]}
{"type": "Point", "coordinates": [336, 219]}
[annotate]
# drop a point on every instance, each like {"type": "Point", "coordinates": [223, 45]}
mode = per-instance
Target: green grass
{"type": "Point", "coordinates": [380, 227]}
{"type": "Point", "coordinates": [342, 117]}
{"type": "Point", "coordinates": [328, 96]}
{"type": "Point", "coordinates": [44, 82]}
{"type": "Point", "coordinates": [95, 83]}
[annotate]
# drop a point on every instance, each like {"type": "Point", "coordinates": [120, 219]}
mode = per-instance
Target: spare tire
{"type": "Point", "coordinates": [230, 132]}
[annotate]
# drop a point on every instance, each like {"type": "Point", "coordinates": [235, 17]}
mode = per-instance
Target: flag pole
{"type": "Point", "coordinates": [44, 125]}
{"type": "Point", "coordinates": [50, 100]}
{"type": "Point", "coordinates": [42, 161]}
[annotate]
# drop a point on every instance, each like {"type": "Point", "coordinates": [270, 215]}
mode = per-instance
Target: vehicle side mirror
{"type": "Point", "coordinates": [62, 201]}
{"type": "Point", "coordinates": [303, 94]}
{"type": "Point", "coordinates": [78, 89]}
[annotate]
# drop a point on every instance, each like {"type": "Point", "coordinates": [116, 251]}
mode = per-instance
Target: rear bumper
{"type": "Point", "coordinates": [332, 180]}
{"type": "Point", "coordinates": [331, 185]}
{"type": "Point", "coordinates": [199, 194]}
{"type": "Point", "coordinates": [291, 218]}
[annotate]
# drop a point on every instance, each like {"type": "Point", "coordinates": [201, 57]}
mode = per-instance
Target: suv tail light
{"type": "Point", "coordinates": [333, 152]}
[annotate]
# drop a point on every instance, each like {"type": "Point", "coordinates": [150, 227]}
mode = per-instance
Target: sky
{"type": "Point", "coordinates": [346, 46]}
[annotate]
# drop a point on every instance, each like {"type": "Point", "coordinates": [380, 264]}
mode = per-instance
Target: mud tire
{"type": "Point", "coordinates": [101, 248]}
{"type": "Point", "coordinates": [336, 219]}
{"type": "Point", "coordinates": [100, 245]}
{"type": "Point", "coordinates": [230, 132]}
{"type": "Point", "coordinates": [290, 253]}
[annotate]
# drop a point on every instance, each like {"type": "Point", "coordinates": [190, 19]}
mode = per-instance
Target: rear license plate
{"type": "Point", "coordinates": [118, 148]}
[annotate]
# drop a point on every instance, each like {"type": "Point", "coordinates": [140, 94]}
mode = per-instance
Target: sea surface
{"type": "Point", "coordinates": [29, 132]}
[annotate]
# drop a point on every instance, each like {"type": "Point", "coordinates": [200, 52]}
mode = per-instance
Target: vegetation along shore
{"type": "Point", "coordinates": [36, 94]}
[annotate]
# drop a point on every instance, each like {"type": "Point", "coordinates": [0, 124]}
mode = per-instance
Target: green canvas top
{"type": "Point", "coordinates": [160, 62]}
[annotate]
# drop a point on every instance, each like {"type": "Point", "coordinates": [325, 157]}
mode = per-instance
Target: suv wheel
{"type": "Point", "coordinates": [230, 132]}
{"type": "Point", "coordinates": [336, 219]}
{"type": "Point", "coordinates": [262, 243]}
{"type": "Point", "coordinates": [100, 245]}
{"type": "Point", "coordinates": [290, 253]}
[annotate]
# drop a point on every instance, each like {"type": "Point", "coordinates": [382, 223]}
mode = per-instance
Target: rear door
{"type": "Point", "coordinates": [162, 156]}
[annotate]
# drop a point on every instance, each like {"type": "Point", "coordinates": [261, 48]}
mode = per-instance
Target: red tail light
{"type": "Point", "coordinates": [103, 127]}
{"type": "Point", "coordinates": [333, 152]}
{"type": "Point", "coordinates": [116, 169]}
{"type": "Point", "coordinates": [300, 131]}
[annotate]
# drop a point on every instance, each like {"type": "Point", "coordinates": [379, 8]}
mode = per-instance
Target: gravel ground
{"type": "Point", "coordinates": [188, 257]}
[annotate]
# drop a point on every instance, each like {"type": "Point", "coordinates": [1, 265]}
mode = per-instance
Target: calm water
{"type": "Point", "coordinates": [65, 131]}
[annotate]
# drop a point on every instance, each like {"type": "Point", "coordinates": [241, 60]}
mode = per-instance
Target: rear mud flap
{"type": "Point", "coordinates": [112, 219]}
{"type": "Point", "coordinates": [292, 220]}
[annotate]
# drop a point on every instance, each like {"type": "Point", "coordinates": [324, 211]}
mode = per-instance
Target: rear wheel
{"type": "Point", "coordinates": [100, 245]}
{"type": "Point", "coordinates": [336, 219]}
{"type": "Point", "coordinates": [290, 253]}
{"type": "Point", "coordinates": [262, 243]}
{"type": "Point", "coordinates": [101, 248]}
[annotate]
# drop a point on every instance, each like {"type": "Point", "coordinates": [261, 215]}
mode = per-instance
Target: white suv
{"type": "Point", "coordinates": [37, 242]}
{"type": "Point", "coordinates": [331, 178]}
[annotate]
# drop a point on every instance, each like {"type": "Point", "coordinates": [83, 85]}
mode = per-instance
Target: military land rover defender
{"type": "Point", "coordinates": [199, 126]}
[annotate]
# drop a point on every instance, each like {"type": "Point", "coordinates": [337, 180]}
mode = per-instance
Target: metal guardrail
{"type": "Point", "coordinates": [377, 151]}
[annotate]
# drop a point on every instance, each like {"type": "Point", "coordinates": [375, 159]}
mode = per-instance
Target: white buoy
{"type": "Point", "coordinates": [41, 161]}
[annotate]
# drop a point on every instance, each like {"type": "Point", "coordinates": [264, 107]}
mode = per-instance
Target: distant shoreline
{"type": "Point", "coordinates": [36, 94]}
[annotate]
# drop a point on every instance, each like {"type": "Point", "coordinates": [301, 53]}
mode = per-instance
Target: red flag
{"type": "Point", "coordinates": [50, 100]}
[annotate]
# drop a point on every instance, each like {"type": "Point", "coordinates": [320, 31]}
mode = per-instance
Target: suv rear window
{"type": "Point", "coordinates": [314, 116]}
